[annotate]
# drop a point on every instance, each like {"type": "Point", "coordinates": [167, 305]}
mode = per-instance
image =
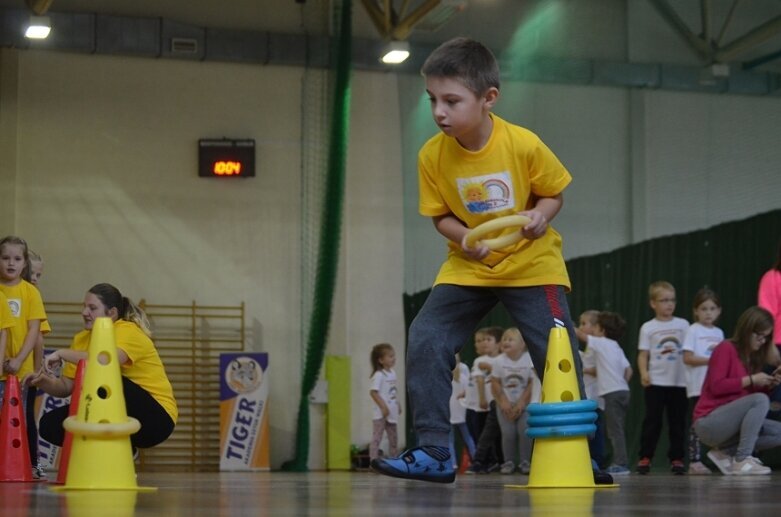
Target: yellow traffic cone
{"type": "Point", "coordinates": [561, 457]}
{"type": "Point", "coordinates": [86, 503]}
{"type": "Point", "coordinates": [101, 456]}
{"type": "Point", "coordinates": [573, 502]}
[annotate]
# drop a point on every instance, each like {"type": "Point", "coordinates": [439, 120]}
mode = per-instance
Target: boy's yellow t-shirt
{"type": "Point", "coordinates": [500, 179]}
{"type": "Point", "coordinates": [25, 304]}
{"type": "Point", "coordinates": [145, 368]}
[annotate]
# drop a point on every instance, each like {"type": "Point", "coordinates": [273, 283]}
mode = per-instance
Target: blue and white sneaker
{"type": "Point", "coordinates": [617, 470]}
{"type": "Point", "coordinates": [426, 463]}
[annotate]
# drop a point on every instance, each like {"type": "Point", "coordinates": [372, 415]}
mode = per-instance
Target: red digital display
{"type": "Point", "coordinates": [227, 168]}
{"type": "Point", "coordinates": [226, 158]}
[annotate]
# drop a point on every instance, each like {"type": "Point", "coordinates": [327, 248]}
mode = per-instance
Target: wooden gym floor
{"type": "Point", "coordinates": [276, 494]}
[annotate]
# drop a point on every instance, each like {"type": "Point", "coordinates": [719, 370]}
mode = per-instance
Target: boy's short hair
{"type": "Point", "coordinates": [612, 324]}
{"type": "Point", "coordinates": [512, 331]}
{"type": "Point", "coordinates": [466, 60]}
{"type": "Point", "coordinates": [660, 285]}
{"type": "Point", "coordinates": [496, 332]}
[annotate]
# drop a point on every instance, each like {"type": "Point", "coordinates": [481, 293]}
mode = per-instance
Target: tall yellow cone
{"type": "Point", "coordinates": [573, 502]}
{"type": "Point", "coordinates": [560, 462]}
{"type": "Point", "coordinates": [101, 456]}
{"type": "Point", "coordinates": [99, 503]}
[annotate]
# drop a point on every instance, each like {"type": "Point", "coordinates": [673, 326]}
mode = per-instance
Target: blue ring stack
{"type": "Point", "coordinates": [562, 419]}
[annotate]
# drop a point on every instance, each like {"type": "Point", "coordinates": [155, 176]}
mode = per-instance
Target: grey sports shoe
{"type": "Point", "coordinates": [722, 460]}
{"type": "Point", "coordinates": [749, 466]}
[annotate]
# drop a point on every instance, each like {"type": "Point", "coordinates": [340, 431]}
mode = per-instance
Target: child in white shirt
{"type": "Point", "coordinates": [484, 427]}
{"type": "Point", "coordinates": [383, 392]}
{"type": "Point", "coordinates": [701, 338]}
{"type": "Point", "coordinates": [596, 443]}
{"type": "Point", "coordinates": [613, 374]}
{"type": "Point", "coordinates": [660, 361]}
{"type": "Point", "coordinates": [511, 381]}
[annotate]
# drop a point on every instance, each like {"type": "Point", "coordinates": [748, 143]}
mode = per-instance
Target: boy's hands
{"type": "Point", "coordinates": [35, 378]}
{"type": "Point", "coordinates": [537, 227]}
{"type": "Point", "coordinates": [479, 252]}
{"type": "Point", "coordinates": [534, 230]}
{"type": "Point", "coordinates": [506, 408]}
{"type": "Point", "coordinates": [645, 379]}
{"type": "Point", "coordinates": [12, 365]}
{"type": "Point", "coordinates": [52, 361]}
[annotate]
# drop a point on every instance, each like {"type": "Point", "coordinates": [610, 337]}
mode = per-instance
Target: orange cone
{"type": "Point", "coordinates": [65, 452]}
{"type": "Point", "coordinates": [464, 464]}
{"type": "Point", "coordinates": [14, 450]}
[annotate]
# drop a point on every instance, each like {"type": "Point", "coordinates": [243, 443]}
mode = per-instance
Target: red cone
{"type": "Point", "coordinates": [14, 450]}
{"type": "Point", "coordinates": [65, 453]}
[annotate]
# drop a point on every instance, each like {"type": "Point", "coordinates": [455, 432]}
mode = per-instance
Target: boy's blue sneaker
{"type": "Point", "coordinates": [426, 463]}
{"type": "Point", "coordinates": [617, 470]}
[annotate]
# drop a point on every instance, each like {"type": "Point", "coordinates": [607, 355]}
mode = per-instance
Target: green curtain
{"type": "Point", "coordinates": [330, 234]}
{"type": "Point", "coordinates": [729, 258]}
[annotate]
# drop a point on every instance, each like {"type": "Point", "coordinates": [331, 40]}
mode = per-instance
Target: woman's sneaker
{"type": "Point", "coordinates": [508, 467]}
{"type": "Point", "coordinates": [722, 460]}
{"type": "Point", "coordinates": [698, 468]}
{"type": "Point", "coordinates": [426, 463]}
{"type": "Point", "coordinates": [750, 466]}
{"type": "Point", "coordinates": [525, 467]}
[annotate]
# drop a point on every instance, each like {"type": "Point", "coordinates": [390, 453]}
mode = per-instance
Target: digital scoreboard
{"type": "Point", "coordinates": [226, 158]}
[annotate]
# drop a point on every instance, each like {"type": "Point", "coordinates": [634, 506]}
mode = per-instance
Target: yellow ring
{"type": "Point", "coordinates": [101, 430]}
{"type": "Point", "coordinates": [494, 225]}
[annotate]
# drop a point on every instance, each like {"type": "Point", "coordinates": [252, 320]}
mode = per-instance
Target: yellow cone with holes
{"type": "Point", "coordinates": [101, 456]}
{"type": "Point", "coordinates": [99, 503]}
{"type": "Point", "coordinates": [572, 502]}
{"type": "Point", "coordinates": [560, 462]}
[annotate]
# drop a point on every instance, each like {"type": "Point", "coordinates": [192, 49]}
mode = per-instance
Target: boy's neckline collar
{"type": "Point", "coordinates": [486, 143]}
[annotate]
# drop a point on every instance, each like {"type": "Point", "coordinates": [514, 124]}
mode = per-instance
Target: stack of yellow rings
{"type": "Point", "coordinates": [476, 234]}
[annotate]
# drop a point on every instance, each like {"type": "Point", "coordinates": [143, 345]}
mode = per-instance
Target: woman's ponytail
{"type": "Point", "coordinates": [126, 309]}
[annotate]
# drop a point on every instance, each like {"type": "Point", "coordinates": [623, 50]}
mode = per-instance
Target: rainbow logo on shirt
{"type": "Point", "coordinates": [486, 194]}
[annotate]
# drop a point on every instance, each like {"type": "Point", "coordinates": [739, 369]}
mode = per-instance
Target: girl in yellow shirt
{"type": "Point", "coordinates": [26, 307]}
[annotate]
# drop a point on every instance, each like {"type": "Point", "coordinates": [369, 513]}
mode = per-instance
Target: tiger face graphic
{"type": "Point", "coordinates": [243, 375]}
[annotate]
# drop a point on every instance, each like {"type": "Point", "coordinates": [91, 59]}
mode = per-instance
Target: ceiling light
{"type": "Point", "coordinates": [395, 52]}
{"type": "Point", "coordinates": [39, 27]}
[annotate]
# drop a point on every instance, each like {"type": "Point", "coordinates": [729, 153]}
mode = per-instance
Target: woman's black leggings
{"type": "Point", "coordinates": [156, 424]}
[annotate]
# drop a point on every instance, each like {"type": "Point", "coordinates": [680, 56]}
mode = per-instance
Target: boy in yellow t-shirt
{"type": "Point", "coordinates": [478, 168]}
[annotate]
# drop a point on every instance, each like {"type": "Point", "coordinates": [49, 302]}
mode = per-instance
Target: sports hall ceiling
{"type": "Point", "coordinates": [744, 33]}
